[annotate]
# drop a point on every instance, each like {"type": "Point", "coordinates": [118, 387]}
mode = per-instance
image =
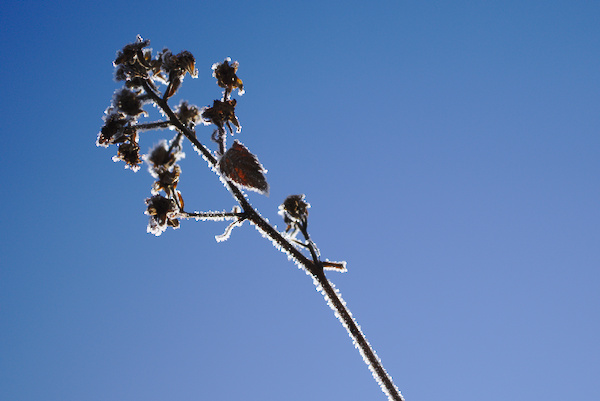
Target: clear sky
{"type": "Point", "coordinates": [449, 150]}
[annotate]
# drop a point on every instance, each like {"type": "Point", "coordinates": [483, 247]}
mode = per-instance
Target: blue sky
{"type": "Point", "coordinates": [449, 151]}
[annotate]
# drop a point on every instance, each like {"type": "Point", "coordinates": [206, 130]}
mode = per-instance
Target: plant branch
{"type": "Point", "coordinates": [313, 267]}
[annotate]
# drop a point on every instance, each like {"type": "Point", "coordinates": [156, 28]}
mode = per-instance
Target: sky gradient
{"type": "Point", "coordinates": [449, 150]}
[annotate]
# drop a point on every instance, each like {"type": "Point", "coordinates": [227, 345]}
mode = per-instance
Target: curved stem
{"type": "Point", "coordinates": [175, 142]}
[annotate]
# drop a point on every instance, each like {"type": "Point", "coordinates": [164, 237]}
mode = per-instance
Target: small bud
{"type": "Point", "coordinates": [294, 210]}
{"type": "Point", "coordinates": [179, 63]}
{"type": "Point", "coordinates": [175, 66]}
{"type": "Point", "coordinates": [187, 63]}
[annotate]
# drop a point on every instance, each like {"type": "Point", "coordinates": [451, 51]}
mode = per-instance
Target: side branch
{"type": "Point", "coordinates": [154, 125]}
{"type": "Point", "coordinates": [216, 216]}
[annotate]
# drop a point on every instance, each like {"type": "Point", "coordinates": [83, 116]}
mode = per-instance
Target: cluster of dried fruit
{"type": "Point", "coordinates": [142, 75]}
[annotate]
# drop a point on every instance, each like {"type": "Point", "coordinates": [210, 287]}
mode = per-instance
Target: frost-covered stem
{"type": "Point", "coordinates": [314, 268]}
{"type": "Point", "coordinates": [175, 142]}
{"type": "Point", "coordinates": [368, 353]}
{"type": "Point", "coordinates": [314, 252]}
{"type": "Point", "coordinates": [337, 304]}
{"type": "Point", "coordinates": [211, 215]}
{"type": "Point", "coordinates": [221, 139]}
{"type": "Point", "coordinates": [153, 125]}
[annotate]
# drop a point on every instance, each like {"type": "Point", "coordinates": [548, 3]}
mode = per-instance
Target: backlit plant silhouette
{"type": "Point", "coordinates": [143, 75]}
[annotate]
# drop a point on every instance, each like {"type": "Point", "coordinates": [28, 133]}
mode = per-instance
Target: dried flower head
{"type": "Point", "coordinates": [167, 181]}
{"type": "Point", "coordinates": [133, 62]}
{"type": "Point", "coordinates": [188, 114]}
{"type": "Point", "coordinates": [294, 211]}
{"type": "Point", "coordinates": [132, 52]}
{"type": "Point", "coordinates": [179, 64]}
{"type": "Point", "coordinates": [222, 113]}
{"type": "Point", "coordinates": [114, 124]}
{"type": "Point", "coordinates": [129, 152]}
{"type": "Point", "coordinates": [176, 66]}
{"type": "Point", "coordinates": [162, 156]}
{"type": "Point", "coordinates": [226, 76]}
{"type": "Point", "coordinates": [129, 103]}
{"type": "Point", "coordinates": [162, 212]}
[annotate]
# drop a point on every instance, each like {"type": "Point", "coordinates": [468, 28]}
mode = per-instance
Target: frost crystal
{"type": "Point", "coordinates": [227, 233]}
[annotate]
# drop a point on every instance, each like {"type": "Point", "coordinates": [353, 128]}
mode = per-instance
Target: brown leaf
{"type": "Point", "coordinates": [244, 169]}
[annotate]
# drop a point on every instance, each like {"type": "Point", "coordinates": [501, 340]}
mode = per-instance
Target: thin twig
{"type": "Point", "coordinates": [175, 142]}
{"type": "Point", "coordinates": [217, 216]}
{"type": "Point", "coordinates": [153, 125]}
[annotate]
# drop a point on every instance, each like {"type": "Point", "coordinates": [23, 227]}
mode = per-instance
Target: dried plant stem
{"type": "Point", "coordinates": [151, 126]}
{"type": "Point", "coordinates": [212, 215]}
{"type": "Point", "coordinates": [313, 267]}
{"type": "Point", "coordinates": [175, 142]}
{"type": "Point", "coordinates": [217, 216]}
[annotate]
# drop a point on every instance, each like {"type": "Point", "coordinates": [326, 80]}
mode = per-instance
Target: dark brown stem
{"type": "Point", "coordinates": [312, 247]}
